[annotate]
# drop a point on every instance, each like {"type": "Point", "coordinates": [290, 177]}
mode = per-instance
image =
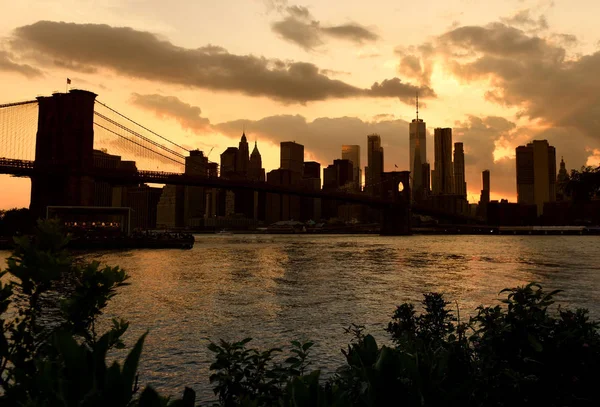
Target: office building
{"type": "Point", "coordinates": [352, 153]}
{"type": "Point", "coordinates": [281, 206]}
{"type": "Point", "coordinates": [169, 211]}
{"type": "Point", "coordinates": [374, 167]}
{"type": "Point", "coordinates": [292, 157]}
{"type": "Point", "coordinates": [229, 161]}
{"type": "Point", "coordinates": [536, 174]}
{"type": "Point", "coordinates": [256, 172]}
{"type": "Point", "coordinates": [103, 191]}
{"type": "Point", "coordinates": [561, 181]}
{"type": "Point", "coordinates": [338, 175]}
{"type": "Point", "coordinates": [310, 208]}
{"type": "Point", "coordinates": [443, 173]}
{"type": "Point", "coordinates": [194, 206]}
{"type": "Point", "coordinates": [243, 157]}
{"type": "Point", "coordinates": [460, 186]}
{"type": "Point", "coordinates": [417, 152]}
{"type": "Point", "coordinates": [484, 198]}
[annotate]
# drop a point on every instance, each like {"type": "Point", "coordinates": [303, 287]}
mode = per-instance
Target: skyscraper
{"type": "Point", "coordinates": [352, 153]}
{"type": "Point", "coordinates": [561, 181]}
{"type": "Point", "coordinates": [443, 173]}
{"type": "Point", "coordinates": [460, 186]}
{"type": "Point", "coordinates": [229, 159]}
{"type": "Point", "coordinates": [536, 174]}
{"type": "Point", "coordinates": [194, 205]}
{"type": "Point", "coordinates": [292, 157]}
{"type": "Point", "coordinates": [418, 150]}
{"type": "Point", "coordinates": [375, 164]}
{"type": "Point", "coordinates": [484, 198]}
{"type": "Point", "coordinates": [243, 158]}
{"type": "Point", "coordinates": [255, 170]}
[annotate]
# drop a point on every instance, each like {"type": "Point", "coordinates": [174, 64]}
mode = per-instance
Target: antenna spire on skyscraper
{"type": "Point", "coordinates": [417, 106]}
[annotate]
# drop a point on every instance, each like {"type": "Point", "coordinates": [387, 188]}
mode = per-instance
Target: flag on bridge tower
{"type": "Point", "coordinates": [68, 81]}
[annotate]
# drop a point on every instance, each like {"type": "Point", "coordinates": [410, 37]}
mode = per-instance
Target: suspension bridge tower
{"type": "Point", "coordinates": [63, 151]}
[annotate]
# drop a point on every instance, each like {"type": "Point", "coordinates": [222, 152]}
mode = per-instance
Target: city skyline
{"type": "Point", "coordinates": [348, 91]}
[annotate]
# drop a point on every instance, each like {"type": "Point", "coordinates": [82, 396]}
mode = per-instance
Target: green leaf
{"type": "Point", "coordinates": [131, 363]}
{"type": "Point", "coordinates": [537, 346]}
{"type": "Point", "coordinates": [150, 398]}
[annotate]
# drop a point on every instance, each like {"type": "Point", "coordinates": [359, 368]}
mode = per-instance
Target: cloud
{"type": "Point", "coordinates": [299, 27]}
{"type": "Point", "coordinates": [7, 64]}
{"type": "Point", "coordinates": [529, 72]}
{"type": "Point", "coordinates": [188, 116]}
{"type": "Point", "coordinates": [141, 54]}
{"type": "Point", "coordinates": [523, 19]}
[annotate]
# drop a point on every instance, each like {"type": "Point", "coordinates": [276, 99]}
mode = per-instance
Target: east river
{"type": "Point", "coordinates": [276, 288]}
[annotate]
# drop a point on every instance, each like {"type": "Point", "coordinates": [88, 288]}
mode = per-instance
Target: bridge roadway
{"type": "Point", "coordinates": [26, 168]}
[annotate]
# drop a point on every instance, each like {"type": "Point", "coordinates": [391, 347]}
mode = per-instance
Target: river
{"type": "Point", "coordinates": [276, 288]}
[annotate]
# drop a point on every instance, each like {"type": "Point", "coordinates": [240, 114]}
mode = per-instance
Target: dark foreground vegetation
{"type": "Point", "coordinates": [521, 353]}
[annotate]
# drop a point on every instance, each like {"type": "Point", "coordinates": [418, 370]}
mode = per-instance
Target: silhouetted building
{"type": "Point", "coordinates": [442, 180]}
{"type": "Point", "coordinates": [504, 213]}
{"type": "Point", "coordinates": [426, 186]}
{"type": "Point", "coordinates": [375, 163]}
{"type": "Point", "coordinates": [561, 181]}
{"type": "Point", "coordinates": [484, 198]}
{"type": "Point", "coordinates": [169, 211]}
{"type": "Point", "coordinates": [310, 208]}
{"type": "Point", "coordinates": [339, 175]}
{"type": "Point", "coordinates": [65, 138]}
{"type": "Point", "coordinates": [418, 152]}
{"type": "Point", "coordinates": [352, 153]}
{"type": "Point", "coordinates": [103, 191]}
{"type": "Point", "coordinates": [256, 172]}
{"type": "Point", "coordinates": [143, 201]}
{"type": "Point", "coordinates": [536, 174]}
{"type": "Point", "coordinates": [281, 206]}
{"type": "Point", "coordinates": [460, 186]}
{"type": "Point", "coordinates": [312, 170]}
{"type": "Point", "coordinates": [292, 157]}
{"type": "Point", "coordinates": [229, 160]}
{"type": "Point", "coordinates": [243, 157]}
{"type": "Point", "coordinates": [194, 196]}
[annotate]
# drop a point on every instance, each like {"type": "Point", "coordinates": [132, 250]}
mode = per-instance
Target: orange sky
{"type": "Point", "coordinates": [320, 73]}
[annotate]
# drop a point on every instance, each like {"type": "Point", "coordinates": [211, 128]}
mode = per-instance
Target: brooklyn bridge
{"type": "Point", "coordinates": [52, 141]}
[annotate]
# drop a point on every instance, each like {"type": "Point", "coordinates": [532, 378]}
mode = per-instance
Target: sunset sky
{"type": "Point", "coordinates": [322, 73]}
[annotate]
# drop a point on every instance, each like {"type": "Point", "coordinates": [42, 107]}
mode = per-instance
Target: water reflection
{"type": "Point", "coordinates": [279, 288]}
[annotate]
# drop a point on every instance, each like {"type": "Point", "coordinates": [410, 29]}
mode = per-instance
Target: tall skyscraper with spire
{"type": "Point", "coordinates": [418, 151]}
{"type": "Point", "coordinates": [255, 170]}
{"type": "Point", "coordinates": [243, 157]}
{"type": "Point", "coordinates": [561, 181]}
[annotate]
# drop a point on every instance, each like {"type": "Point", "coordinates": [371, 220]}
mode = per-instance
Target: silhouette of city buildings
{"type": "Point", "coordinates": [65, 139]}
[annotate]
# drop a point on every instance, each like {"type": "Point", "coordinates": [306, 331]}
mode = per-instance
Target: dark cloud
{"type": "Point", "coordinates": [142, 55]}
{"type": "Point", "coordinates": [406, 92]}
{"type": "Point", "coordinates": [531, 73]}
{"type": "Point", "coordinates": [299, 27]}
{"type": "Point", "coordinates": [8, 64]}
{"type": "Point", "coordinates": [188, 116]}
{"type": "Point", "coordinates": [524, 19]}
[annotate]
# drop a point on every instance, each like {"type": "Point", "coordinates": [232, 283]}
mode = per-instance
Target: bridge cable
{"type": "Point", "coordinates": [139, 144]}
{"type": "Point", "coordinates": [145, 128]}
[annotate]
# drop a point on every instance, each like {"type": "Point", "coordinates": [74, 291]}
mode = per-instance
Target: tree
{"type": "Point", "coordinates": [584, 184]}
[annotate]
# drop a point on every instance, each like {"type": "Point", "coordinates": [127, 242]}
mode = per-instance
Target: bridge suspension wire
{"type": "Point", "coordinates": [143, 127]}
{"type": "Point", "coordinates": [139, 144]}
{"type": "Point", "coordinates": [18, 128]}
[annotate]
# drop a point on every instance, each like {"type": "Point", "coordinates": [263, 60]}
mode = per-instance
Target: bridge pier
{"type": "Point", "coordinates": [64, 140]}
{"type": "Point", "coordinates": [396, 215]}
